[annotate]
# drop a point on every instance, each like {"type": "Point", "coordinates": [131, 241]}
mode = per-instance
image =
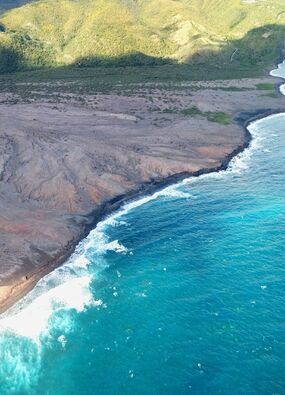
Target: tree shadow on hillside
{"type": "Point", "coordinates": [257, 47]}
{"type": "Point", "coordinates": [130, 59]}
{"type": "Point", "coordinates": [249, 56]}
{"type": "Point", "coordinates": [258, 50]}
{"type": "Point", "coordinates": [10, 60]}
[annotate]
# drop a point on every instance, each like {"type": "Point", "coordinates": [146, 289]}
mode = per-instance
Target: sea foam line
{"type": "Point", "coordinates": [68, 287]}
{"type": "Point", "coordinates": [32, 320]}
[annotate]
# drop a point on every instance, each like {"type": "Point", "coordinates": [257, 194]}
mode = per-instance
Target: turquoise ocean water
{"type": "Point", "coordinates": [182, 292]}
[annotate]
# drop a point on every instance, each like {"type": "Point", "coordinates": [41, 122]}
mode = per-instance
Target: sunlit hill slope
{"type": "Point", "coordinates": [49, 33]}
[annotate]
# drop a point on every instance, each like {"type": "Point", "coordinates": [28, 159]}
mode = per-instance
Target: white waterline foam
{"type": "Point", "coordinates": [279, 72]}
{"type": "Point", "coordinates": [32, 320]}
{"type": "Point", "coordinates": [68, 287]}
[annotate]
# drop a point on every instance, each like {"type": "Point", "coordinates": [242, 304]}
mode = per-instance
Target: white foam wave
{"type": "Point", "coordinates": [33, 320]}
{"type": "Point", "coordinates": [280, 71]}
{"type": "Point", "coordinates": [115, 246]}
{"type": "Point", "coordinates": [282, 89]}
{"type": "Point", "coordinates": [68, 286]}
{"type": "Point", "coordinates": [241, 162]}
{"type": "Point", "coordinates": [174, 192]}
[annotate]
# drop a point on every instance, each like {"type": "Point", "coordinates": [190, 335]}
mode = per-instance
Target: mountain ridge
{"type": "Point", "coordinates": [50, 33]}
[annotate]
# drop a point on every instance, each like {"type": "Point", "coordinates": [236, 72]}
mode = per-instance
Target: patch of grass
{"type": "Point", "coordinates": [191, 112]}
{"type": "Point", "coordinates": [212, 116]}
{"type": "Point", "coordinates": [231, 88]}
{"type": "Point", "coordinates": [117, 80]}
{"type": "Point", "coordinates": [265, 87]}
{"type": "Point", "coordinates": [170, 111]}
{"type": "Point", "coordinates": [219, 117]}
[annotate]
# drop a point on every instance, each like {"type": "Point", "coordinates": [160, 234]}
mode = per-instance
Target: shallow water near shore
{"type": "Point", "coordinates": [179, 292]}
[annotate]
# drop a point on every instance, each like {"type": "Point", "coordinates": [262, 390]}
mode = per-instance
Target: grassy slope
{"type": "Point", "coordinates": [88, 32]}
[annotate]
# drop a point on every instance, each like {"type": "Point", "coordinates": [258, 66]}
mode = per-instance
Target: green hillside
{"type": "Point", "coordinates": [48, 33]}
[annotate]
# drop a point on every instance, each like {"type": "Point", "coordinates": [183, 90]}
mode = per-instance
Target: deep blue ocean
{"type": "Point", "coordinates": [182, 292]}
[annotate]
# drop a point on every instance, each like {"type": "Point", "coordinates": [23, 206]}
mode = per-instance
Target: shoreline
{"type": "Point", "coordinates": [10, 294]}
{"type": "Point", "coordinates": [17, 291]}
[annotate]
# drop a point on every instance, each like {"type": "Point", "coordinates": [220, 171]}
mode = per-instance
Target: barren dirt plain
{"type": "Point", "coordinates": [67, 161]}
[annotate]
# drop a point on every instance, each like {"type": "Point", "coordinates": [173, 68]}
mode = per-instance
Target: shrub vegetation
{"type": "Point", "coordinates": [234, 35]}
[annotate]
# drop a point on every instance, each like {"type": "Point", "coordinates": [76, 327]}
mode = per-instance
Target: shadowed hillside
{"type": "Point", "coordinates": [247, 57]}
{"type": "Point", "coordinates": [49, 33]}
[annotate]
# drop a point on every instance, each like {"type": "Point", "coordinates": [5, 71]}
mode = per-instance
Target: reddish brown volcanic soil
{"type": "Point", "coordinates": [61, 162]}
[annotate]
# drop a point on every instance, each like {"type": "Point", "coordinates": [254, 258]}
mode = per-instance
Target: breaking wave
{"type": "Point", "coordinates": [44, 312]}
{"type": "Point", "coordinates": [68, 287]}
